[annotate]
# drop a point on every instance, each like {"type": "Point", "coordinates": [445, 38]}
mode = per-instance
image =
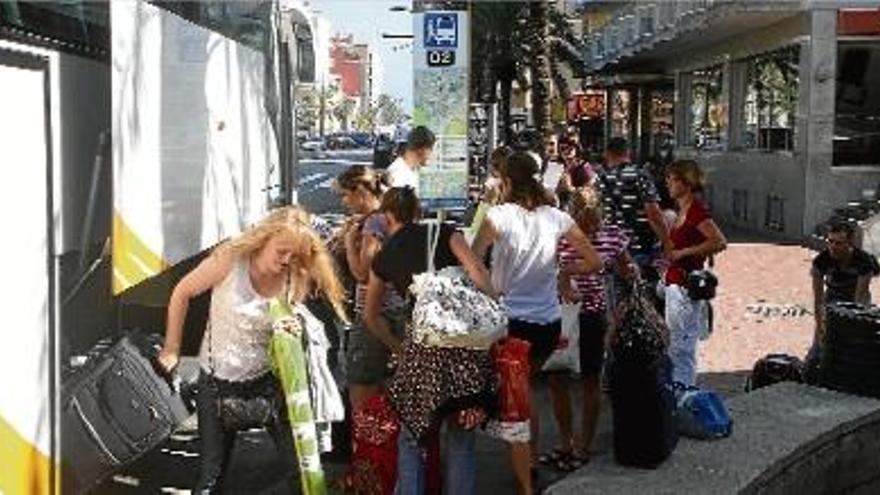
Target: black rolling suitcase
{"type": "Point", "coordinates": [849, 361]}
{"type": "Point", "coordinates": [643, 410]}
{"type": "Point", "coordinates": [640, 374]}
{"type": "Point", "coordinates": [113, 410]}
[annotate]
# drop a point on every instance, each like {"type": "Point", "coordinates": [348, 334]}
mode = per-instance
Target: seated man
{"type": "Point", "coordinates": [841, 272]}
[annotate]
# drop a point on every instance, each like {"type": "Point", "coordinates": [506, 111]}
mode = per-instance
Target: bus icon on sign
{"type": "Point", "coordinates": [441, 30]}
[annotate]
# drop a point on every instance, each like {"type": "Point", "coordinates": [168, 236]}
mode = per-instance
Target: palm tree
{"type": "Point", "coordinates": [539, 64]}
{"type": "Point", "coordinates": [512, 38]}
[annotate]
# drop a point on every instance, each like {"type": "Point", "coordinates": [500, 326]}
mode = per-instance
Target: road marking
{"type": "Point", "coordinates": [332, 161]}
{"type": "Point", "coordinates": [326, 184]}
{"type": "Point", "coordinates": [304, 181]}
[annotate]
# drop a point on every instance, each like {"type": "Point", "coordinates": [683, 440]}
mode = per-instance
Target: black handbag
{"type": "Point", "coordinates": [249, 404]}
{"type": "Point", "coordinates": [244, 405]}
{"type": "Point", "coordinates": [701, 285]}
{"type": "Point", "coordinates": [642, 335]}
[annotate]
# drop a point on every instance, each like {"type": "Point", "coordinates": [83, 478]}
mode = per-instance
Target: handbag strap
{"type": "Point", "coordinates": [433, 232]}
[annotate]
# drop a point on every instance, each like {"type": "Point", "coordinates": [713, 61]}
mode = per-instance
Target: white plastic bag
{"type": "Point", "coordinates": [567, 356]}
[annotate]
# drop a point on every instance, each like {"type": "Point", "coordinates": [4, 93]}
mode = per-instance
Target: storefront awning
{"type": "Point", "coordinates": [642, 36]}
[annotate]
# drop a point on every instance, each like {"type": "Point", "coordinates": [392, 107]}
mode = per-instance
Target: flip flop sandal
{"type": "Point", "coordinates": [579, 458]}
{"type": "Point", "coordinates": [553, 457]}
{"type": "Point", "coordinates": [565, 464]}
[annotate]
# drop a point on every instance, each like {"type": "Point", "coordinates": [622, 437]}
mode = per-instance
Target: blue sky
{"type": "Point", "coordinates": [367, 20]}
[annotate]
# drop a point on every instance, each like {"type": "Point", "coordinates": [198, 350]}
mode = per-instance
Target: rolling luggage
{"type": "Point", "coordinates": [643, 410]}
{"type": "Point", "coordinates": [113, 410]}
{"type": "Point", "coordinates": [851, 350]}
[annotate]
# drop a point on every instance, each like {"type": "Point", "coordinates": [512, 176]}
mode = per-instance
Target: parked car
{"type": "Point", "coordinates": [362, 139]}
{"type": "Point", "coordinates": [312, 145]}
{"type": "Point", "coordinates": [340, 142]}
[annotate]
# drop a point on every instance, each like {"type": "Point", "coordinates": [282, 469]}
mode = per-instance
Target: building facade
{"type": "Point", "coordinates": [354, 65]}
{"type": "Point", "coordinates": [778, 101]}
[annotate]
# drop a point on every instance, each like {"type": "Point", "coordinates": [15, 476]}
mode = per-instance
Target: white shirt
{"type": "Point", "coordinates": [401, 175]}
{"type": "Point", "coordinates": [234, 345]}
{"type": "Point", "coordinates": [524, 265]}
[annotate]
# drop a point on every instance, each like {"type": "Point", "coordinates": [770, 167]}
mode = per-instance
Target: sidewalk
{"type": "Point", "coordinates": [764, 305]}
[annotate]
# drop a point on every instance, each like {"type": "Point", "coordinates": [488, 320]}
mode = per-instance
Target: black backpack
{"type": "Point", "coordinates": [775, 368]}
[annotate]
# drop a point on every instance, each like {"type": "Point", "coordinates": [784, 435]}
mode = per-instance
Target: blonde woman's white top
{"type": "Point", "coordinates": [235, 345]}
{"type": "Point", "coordinates": [524, 263]}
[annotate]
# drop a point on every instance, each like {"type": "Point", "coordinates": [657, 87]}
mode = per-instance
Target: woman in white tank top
{"type": "Point", "coordinates": [281, 254]}
{"type": "Point", "coordinates": [524, 232]}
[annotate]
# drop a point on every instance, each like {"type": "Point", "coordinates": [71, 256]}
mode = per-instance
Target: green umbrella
{"type": "Point", "coordinates": [289, 363]}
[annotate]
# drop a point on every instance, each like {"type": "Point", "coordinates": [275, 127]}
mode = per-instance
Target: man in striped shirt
{"type": "Point", "coordinates": [631, 202]}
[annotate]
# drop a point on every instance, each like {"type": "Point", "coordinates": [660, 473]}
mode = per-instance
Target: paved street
{"type": "Point", "coordinates": [315, 174]}
{"type": "Point", "coordinates": [759, 282]}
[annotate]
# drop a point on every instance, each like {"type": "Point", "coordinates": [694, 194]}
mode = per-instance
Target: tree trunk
{"type": "Point", "coordinates": [539, 65]}
{"type": "Point", "coordinates": [504, 110]}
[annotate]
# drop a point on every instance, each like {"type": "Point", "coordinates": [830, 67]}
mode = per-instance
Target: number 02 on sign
{"type": "Point", "coordinates": [440, 58]}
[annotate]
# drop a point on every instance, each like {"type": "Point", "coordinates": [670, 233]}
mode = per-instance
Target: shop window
{"type": "Point", "coordinates": [74, 26]}
{"type": "Point", "coordinates": [740, 206]}
{"type": "Point", "coordinates": [621, 113]}
{"type": "Point", "coordinates": [662, 124]}
{"type": "Point", "coordinates": [774, 214]}
{"type": "Point", "coordinates": [857, 118]}
{"type": "Point", "coordinates": [708, 116]}
{"type": "Point", "coordinates": [771, 100]}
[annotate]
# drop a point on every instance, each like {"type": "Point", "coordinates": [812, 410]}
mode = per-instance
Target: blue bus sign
{"type": "Point", "coordinates": [441, 30]}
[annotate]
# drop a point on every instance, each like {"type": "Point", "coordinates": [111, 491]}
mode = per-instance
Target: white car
{"type": "Point", "coordinates": [312, 145]}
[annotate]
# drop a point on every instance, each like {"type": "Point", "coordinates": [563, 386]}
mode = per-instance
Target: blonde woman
{"type": "Point", "coordinates": [280, 256]}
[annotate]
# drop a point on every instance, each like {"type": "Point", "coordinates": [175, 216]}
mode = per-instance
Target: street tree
{"type": "Point", "coordinates": [520, 37]}
{"type": "Point", "coordinates": [389, 111]}
{"type": "Point", "coordinates": [366, 119]}
{"type": "Point", "coordinates": [308, 106]}
{"type": "Point", "coordinates": [343, 111]}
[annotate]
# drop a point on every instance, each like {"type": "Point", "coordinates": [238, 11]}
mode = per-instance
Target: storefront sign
{"type": "Point", "coordinates": [440, 64]}
{"type": "Point", "coordinates": [858, 22]}
{"type": "Point", "coordinates": [587, 106]}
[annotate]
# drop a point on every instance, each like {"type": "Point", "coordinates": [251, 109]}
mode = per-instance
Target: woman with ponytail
{"type": "Point", "coordinates": [525, 231]}
{"type": "Point", "coordinates": [360, 189]}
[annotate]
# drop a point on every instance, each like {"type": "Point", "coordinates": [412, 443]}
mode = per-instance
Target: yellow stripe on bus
{"type": "Point", "coordinates": [133, 261]}
{"type": "Point", "coordinates": [24, 470]}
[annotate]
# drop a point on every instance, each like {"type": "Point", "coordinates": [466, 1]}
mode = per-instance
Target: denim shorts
{"type": "Point", "coordinates": [366, 356]}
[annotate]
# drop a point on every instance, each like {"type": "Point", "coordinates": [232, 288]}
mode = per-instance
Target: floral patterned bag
{"type": "Point", "coordinates": [449, 311]}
